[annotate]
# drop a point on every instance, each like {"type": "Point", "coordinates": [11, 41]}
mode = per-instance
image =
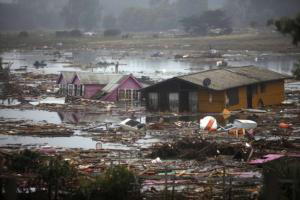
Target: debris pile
{"type": "Point", "coordinates": [35, 129]}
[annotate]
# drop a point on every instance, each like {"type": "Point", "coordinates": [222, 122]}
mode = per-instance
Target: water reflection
{"type": "Point", "coordinates": [83, 117]}
{"type": "Point", "coordinates": [34, 115]}
{"type": "Point", "coordinates": [160, 67]}
{"type": "Point", "coordinates": [65, 142]}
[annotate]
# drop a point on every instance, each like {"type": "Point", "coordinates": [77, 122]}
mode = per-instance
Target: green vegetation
{"type": "Point", "coordinates": [25, 161]}
{"type": "Point", "coordinates": [289, 26]}
{"type": "Point", "coordinates": [116, 183]}
{"type": "Point", "coordinates": [56, 173]}
{"type": "Point", "coordinates": [209, 20]}
{"type": "Point", "coordinates": [281, 179]}
{"type": "Point", "coordinates": [54, 178]}
{"type": "Point", "coordinates": [296, 70]}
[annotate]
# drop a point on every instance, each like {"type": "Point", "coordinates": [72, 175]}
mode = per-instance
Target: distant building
{"type": "Point", "coordinates": [213, 90]}
{"type": "Point", "coordinates": [113, 87]}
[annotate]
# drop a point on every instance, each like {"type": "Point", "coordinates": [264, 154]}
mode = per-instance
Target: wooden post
{"type": "Point", "coordinates": [224, 192]}
{"type": "Point", "coordinates": [173, 188]}
{"type": "Point", "coordinates": [230, 189]}
{"type": "Point", "coordinates": [166, 184]}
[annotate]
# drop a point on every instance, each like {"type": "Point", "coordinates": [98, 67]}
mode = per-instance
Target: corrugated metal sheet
{"type": "Point", "coordinates": [114, 83]}
{"type": "Point", "coordinates": [231, 77]}
{"type": "Point", "coordinates": [97, 78]}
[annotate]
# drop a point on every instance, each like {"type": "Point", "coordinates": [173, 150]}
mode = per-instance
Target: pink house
{"type": "Point", "coordinates": [106, 87]}
{"type": "Point", "coordinates": [64, 81]}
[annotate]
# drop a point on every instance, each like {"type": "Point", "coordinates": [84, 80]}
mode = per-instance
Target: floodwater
{"type": "Point", "coordinates": [32, 115]}
{"type": "Point", "coordinates": [64, 142]}
{"type": "Point", "coordinates": [146, 65]}
{"type": "Point", "coordinates": [87, 61]}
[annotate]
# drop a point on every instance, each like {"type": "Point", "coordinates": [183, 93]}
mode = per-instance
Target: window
{"type": "Point", "coordinates": [233, 96]}
{"type": "Point", "coordinates": [70, 90]}
{"type": "Point", "coordinates": [78, 90]}
{"type": "Point", "coordinates": [63, 89]}
{"type": "Point", "coordinates": [128, 94]}
{"type": "Point", "coordinates": [254, 89]}
{"type": "Point", "coordinates": [262, 87]}
{"type": "Point", "coordinates": [121, 94]}
{"type": "Point", "coordinates": [174, 102]}
{"type": "Point", "coordinates": [135, 95]}
{"type": "Point", "coordinates": [153, 101]}
{"type": "Point", "coordinates": [81, 90]}
{"type": "Point", "coordinates": [193, 101]}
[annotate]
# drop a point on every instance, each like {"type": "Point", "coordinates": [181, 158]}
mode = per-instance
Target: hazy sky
{"type": "Point", "coordinates": [213, 4]}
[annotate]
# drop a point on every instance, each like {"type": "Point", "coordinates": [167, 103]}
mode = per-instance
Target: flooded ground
{"type": "Point", "coordinates": [34, 115]}
{"type": "Point", "coordinates": [157, 65]}
{"type": "Point", "coordinates": [173, 144]}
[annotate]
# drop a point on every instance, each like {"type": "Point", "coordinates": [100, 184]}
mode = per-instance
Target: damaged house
{"type": "Point", "coordinates": [90, 85]}
{"type": "Point", "coordinates": [213, 90]}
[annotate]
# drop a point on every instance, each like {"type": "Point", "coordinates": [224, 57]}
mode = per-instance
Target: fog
{"type": "Point", "coordinates": [133, 15]}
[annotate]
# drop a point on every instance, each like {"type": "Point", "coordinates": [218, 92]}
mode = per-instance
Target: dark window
{"type": "Point", "coordinates": [174, 102]}
{"type": "Point", "coordinates": [81, 90]}
{"type": "Point", "coordinates": [254, 89]}
{"type": "Point", "coordinates": [78, 90]}
{"type": "Point", "coordinates": [153, 101]}
{"type": "Point", "coordinates": [121, 94]}
{"type": "Point", "coordinates": [233, 96]}
{"type": "Point", "coordinates": [128, 93]}
{"type": "Point", "coordinates": [262, 87]}
{"type": "Point", "coordinates": [135, 95]}
{"type": "Point", "coordinates": [193, 101]}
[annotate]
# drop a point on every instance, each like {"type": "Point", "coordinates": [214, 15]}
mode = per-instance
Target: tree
{"type": "Point", "coordinates": [296, 70]}
{"type": "Point", "coordinates": [208, 20]}
{"type": "Point", "coordinates": [116, 183]}
{"type": "Point", "coordinates": [82, 14]}
{"type": "Point", "coordinates": [289, 26]}
{"type": "Point", "coordinates": [56, 173]}
{"type": "Point", "coordinates": [25, 161]}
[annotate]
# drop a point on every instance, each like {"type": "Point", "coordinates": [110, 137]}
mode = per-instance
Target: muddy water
{"type": "Point", "coordinates": [143, 64]}
{"type": "Point", "coordinates": [161, 67]}
{"type": "Point", "coordinates": [157, 67]}
{"type": "Point", "coordinates": [33, 115]}
{"type": "Point", "coordinates": [65, 142]}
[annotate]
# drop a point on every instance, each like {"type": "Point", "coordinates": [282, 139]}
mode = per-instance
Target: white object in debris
{"type": "Point", "coordinates": [52, 100]}
{"type": "Point", "coordinates": [208, 123]}
{"type": "Point", "coordinates": [156, 160]}
{"type": "Point", "coordinates": [287, 102]}
{"type": "Point", "coordinates": [108, 108]}
{"type": "Point", "coordinates": [248, 145]}
{"type": "Point", "coordinates": [254, 110]}
{"type": "Point", "coordinates": [132, 125]}
{"type": "Point", "coordinates": [98, 145]}
{"type": "Point", "coordinates": [245, 124]}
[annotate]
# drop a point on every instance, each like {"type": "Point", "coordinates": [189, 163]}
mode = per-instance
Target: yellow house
{"type": "Point", "coordinates": [213, 90]}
